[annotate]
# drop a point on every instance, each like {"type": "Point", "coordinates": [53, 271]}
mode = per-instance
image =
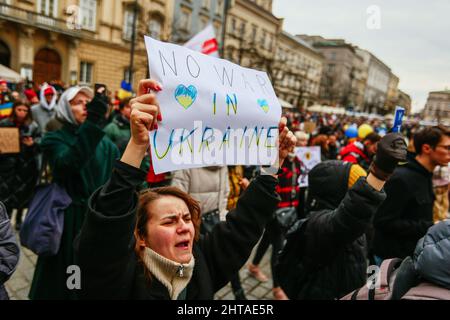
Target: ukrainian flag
{"type": "Point", "coordinates": [125, 90]}
{"type": "Point", "coordinates": [5, 109]}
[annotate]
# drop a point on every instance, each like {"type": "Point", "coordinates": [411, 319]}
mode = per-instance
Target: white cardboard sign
{"type": "Point", "coordinates": [214, 112]}
{"type": "Point", "coordinates": [309, 157]}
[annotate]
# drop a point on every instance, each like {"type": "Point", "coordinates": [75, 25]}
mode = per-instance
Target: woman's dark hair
{"type": "Point", "coordinates": [430, 136]}
{"type": "Point", "coordinates": [19, 103]}
{"type": "Point", "coordinates": [124, 102]}
{"type": "Point", "coordinates": [143, 215]}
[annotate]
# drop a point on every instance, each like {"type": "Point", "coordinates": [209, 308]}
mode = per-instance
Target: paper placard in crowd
{"type": "Point", "coordinates": [214, 111]}
{"type": "Point", "coordinates": [9, 140]}
{"type": "Point", "coordinates": [309, 157]}
{"type": "Point", "coordinates": [309, 127]}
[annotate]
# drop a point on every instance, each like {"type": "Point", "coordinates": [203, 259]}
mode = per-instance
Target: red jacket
{"type": "Point", "coordinates": [354, 153]}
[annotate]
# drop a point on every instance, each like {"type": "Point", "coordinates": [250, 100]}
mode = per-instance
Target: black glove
{"type": "Point", "coordinates": [390, 151]}
{"type": "Point", "coordinates": [97, 110]}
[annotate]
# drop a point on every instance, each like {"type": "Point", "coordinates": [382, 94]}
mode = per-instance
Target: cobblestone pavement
{"type": "Point", "coordinates": [18, 286]}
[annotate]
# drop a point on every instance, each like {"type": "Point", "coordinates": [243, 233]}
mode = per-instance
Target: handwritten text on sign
{"type": "Point", "coordinates": [214, 112]}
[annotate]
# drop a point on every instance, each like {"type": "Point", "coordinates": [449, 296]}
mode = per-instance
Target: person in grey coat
{"type": "Point", "coordinates": [9, 251]}
{"type": "Point", "coordinates": [428, 269]}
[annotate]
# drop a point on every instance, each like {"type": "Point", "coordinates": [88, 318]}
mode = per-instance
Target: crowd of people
{"type": "Point", "coordinates": [375, 195]}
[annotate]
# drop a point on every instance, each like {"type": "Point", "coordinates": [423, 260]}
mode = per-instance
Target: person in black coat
{"type": "Point", "coordinates": [328, 249]}
{"type": "Point", "coordinates": [407, 213]}
{"type": "Point", "coordinates": [149, 247]}
{"type": "Point", "coordinates": [9, 251]}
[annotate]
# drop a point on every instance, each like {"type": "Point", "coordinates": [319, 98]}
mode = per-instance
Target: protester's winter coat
{"type": "Point", "coordinates": [288, 188]}
{"type": "Point", "coordinates": [209, 186]}
{"type": "Point", "coordinates": [106, 242]}
{"type": "Point", "coordinates": [9, 251]}
{"type": "Point", "coordinates": [331, 243]}
{"type": "Point", "coordinates": [355, 153]}
{"type": "Point", "coordinates": [43, 112]}
{"type": "Point", "coordinates": [81, 160]}
{"type": "Point", "coordinates": [18, 172]}
{"type": "Point", "coordinates": [119, 132]}
{"type": "Point", "coordinates": [430, 262]}
{"type": "Point", "coordinates": [406, 214]}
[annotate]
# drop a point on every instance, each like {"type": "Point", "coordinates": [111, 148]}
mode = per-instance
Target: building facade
{"type": "Point", "coordinates": [251, 35]}
{"type": "Point", "coordinates": [438, 107]}
{"type": "Point", "coordinates": [404, 100]}
{"type": "Point", "coordinates": [392, 94]}
{"type": "Point", "coordinates": [338, 87]}
{"type": "Point", "coordinates": [80, 41]}
{"type": "Point", "coordinates": [299, 70]}
{"type": "Point", "coordinates": [192, 16]}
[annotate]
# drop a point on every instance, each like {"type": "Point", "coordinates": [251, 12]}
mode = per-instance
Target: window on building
{"type": "Point", "coordinates": [270, 43]}
{"type": "Point", "coordinates": [331, 67]}
{"type": "Point", "coordinates": [86, 69]}
{"type": "Point", "coordinates": [126, 75]}
{"type": "Point", "coordinates": [219, 7]}
{"type": "Point", "coordinates": [128, 24]}
{"type": "Point", "coordinates": [206, 4]}
{"type": "Point", "coordinates": [48, 7]}
{"type": "Point", "coordinates": [333, 55]}
{"type": "Point", "coordinates": [185, 20]}
{"type": "Point", "coordinates": [253, 34]}
{"type": "Point", "coordinates": [263, 39]}
{"type": "Point", "coordinates": [233, 26]}
{"type": "Point", "coordinates": [154, 28]}
{"type": "Point", "coordinates": [88, 11]}
{"type": "Point", "coordinates": [243, 26]}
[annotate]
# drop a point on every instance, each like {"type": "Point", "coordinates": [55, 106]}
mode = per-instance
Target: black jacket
{"type": "Point", "coordinates": [333, 246]}
{"type": "Point", "coordinates": [9, 251]}
{"type": "Point", "coordinates": [407, 212]}
{"type": "Point", "coordinates": [105, 246]}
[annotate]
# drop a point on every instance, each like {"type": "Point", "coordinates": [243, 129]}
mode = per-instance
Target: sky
{"type": "Point", "coordinates": [412, 37]}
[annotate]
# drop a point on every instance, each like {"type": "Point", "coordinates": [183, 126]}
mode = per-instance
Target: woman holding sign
{"type": "Point", "coordinates": [18, 171]}
{"type": "Point", "coordinates": [148, 246]}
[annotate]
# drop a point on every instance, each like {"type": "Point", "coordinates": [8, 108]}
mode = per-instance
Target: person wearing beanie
{"type": "Point", "coordinates": [325, 254]}
{"type": "Point", "coordinates": [81, 159]}
{"type": "Point", "coordinates": [44, 111]}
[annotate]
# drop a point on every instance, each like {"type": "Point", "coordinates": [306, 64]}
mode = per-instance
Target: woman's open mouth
{"type": "Point", "coordinates": [183, 245]}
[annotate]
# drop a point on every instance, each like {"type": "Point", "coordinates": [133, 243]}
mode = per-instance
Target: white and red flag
{"type": "Point", "coordinates": [205, 41]}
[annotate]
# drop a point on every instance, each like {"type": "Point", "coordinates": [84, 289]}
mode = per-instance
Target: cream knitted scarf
{"type": "Point", "coordinates": [174, 276]}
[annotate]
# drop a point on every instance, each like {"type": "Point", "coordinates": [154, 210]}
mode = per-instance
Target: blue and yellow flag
{"type": "Point", "coordinates": [5, 109]}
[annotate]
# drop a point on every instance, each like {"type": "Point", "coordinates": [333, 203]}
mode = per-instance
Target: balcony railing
{"type": "Point", "coordinates": [34, 19]}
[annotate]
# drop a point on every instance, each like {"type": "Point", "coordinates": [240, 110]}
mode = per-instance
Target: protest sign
{"type": "Point", "coordinates": [309, 127]}
{"type": "Point", "coordinates": [9, 140]}
{"type": "Point", "coordinates": [309, 157]}
{"type": "Point", "coordinates": [214, 112]}
{"type": "Point", "coordinates": [398, 119]}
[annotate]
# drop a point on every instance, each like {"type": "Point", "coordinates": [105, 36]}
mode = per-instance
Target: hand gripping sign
{"type": "Point", "coordinates": [214, 112]}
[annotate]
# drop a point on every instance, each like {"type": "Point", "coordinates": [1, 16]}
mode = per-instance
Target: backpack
{"type": "Point", "coordinates": [427, 291]}
{"type": "Point", "coordinates": [383, 289]}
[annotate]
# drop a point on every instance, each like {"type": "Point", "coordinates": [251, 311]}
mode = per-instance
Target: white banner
{"type": "Point", "coordinates": [214, 112]}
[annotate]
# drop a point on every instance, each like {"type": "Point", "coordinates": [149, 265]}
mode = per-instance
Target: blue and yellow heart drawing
{"type": "Point", "coordinates": [263, 105]}
{"type": "Point", "coordinates": [185, 96]}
